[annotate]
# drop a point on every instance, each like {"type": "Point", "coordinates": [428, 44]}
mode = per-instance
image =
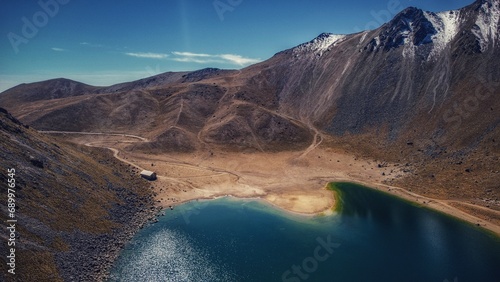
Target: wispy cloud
{"type": "Point", "coordinates": [91, 45]}
{"type": "Point", "coordinates": [186, 57]}
{"type": "Point", "coordinates": [58, 49]}
{"type": "Point", "coordinates": [189, 54]}
{"type": "Point", "coordinates": [148, 55]}
{"type": "Point", "coordinates": [239, 60]}
{"type": "Point", "coordinates": [202, 58]}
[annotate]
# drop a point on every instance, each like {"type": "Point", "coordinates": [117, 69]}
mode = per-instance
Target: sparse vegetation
{"type": "Point", "coordinates": [79, 205]}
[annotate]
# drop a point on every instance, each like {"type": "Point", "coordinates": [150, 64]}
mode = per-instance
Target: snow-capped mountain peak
{"type": "Point", "coordinates": [420, 33]}
{"type": "Point", "coordinates": [428, 34]}
{"type": "Point", "coordinates": [409, 29]}
{"type": "Point", "coordinates": [320, 43]}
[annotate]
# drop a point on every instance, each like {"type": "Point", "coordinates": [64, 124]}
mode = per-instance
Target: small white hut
{"type": "Point", "coordinates": [149, 175]}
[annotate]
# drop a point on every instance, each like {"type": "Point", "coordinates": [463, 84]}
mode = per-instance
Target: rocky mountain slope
{"type": "Point", "coordinates": [420, 90]}
{"type": "Point", "coordinates": [75, 206]}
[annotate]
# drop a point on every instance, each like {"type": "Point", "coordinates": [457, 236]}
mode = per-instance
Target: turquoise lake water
{"type": "Point", "coordinates": [374, 237]}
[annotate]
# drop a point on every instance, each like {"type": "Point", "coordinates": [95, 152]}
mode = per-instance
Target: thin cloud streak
{"type": "Point", "coordinates": [189, 54]}
{"type": "Point", "coordinates": [91, 45]}
{"type": "Point", "coordinates": [58, 49]}
{"type": "Point", "coordinates": [148, 55]}
{"type": "Point", "coordinates": [202, 58]}
{"type": "Point", "coordinates": [239, 60]}
{"type": "Point", "coordinates": [196, 60]}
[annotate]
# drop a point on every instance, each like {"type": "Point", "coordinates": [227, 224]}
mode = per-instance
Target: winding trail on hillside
{"type": "Point", "coordinates": [116, 153]}
{"type": "Point", "coordinates": [95, 133]}
{"type": "Point", "coordinates": [181, 108]}
{"type": "Point", "coordinates": [318, 138]}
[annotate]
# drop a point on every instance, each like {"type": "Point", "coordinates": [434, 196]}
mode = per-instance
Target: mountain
{"type": "Point", "coordinates": [73, 206]}
{"type": "Point", "coordinates": [422, 90]}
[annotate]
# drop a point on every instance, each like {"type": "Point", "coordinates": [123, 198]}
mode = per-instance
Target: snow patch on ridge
{"type": "Point", "coordinates": [447, 25]}
{"type": "Point", "coordinates": [321, 43]}
{"type": "Point", "coordinates": [486, 26]}
{"type": "Point", "coordinates": [363, 37]}
{"type": "Point", "coordinates": [409, 49]}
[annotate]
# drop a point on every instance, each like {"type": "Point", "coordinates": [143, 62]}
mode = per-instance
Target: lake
{"type": "Point", "coordinates": [372, 236]}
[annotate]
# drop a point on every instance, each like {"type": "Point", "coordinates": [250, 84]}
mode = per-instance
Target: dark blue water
{"type": "Point", "coordinates": [374, 237]}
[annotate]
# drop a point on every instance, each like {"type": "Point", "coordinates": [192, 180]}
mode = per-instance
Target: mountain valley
{"type": "Point", "coordinates": [410, 108]}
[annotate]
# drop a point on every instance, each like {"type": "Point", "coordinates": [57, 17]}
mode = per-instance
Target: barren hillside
{"type": "Point", "coordinates": [75, 205]}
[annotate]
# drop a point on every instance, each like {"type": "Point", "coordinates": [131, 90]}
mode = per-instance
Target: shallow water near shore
{"type": "Point", "coordinates": [373, 237]}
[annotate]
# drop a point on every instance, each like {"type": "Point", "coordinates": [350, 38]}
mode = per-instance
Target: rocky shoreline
{"type": "Point", "coordinates": [97, 253]}
{"type": "Point", "coordinates": [118, 242]}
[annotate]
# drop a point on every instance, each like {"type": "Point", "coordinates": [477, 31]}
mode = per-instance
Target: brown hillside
{"type": "Point", "coordinates": [74, 204]}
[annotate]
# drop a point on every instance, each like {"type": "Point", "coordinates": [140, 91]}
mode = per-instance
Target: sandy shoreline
{"type": "Point", "coordinates": [437, 205]}
{"type": "Point", "coordinates": [318, 200]}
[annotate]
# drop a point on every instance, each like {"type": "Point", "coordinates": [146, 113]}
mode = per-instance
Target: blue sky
{"type": "Point", "coordinates": [107, 42]}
